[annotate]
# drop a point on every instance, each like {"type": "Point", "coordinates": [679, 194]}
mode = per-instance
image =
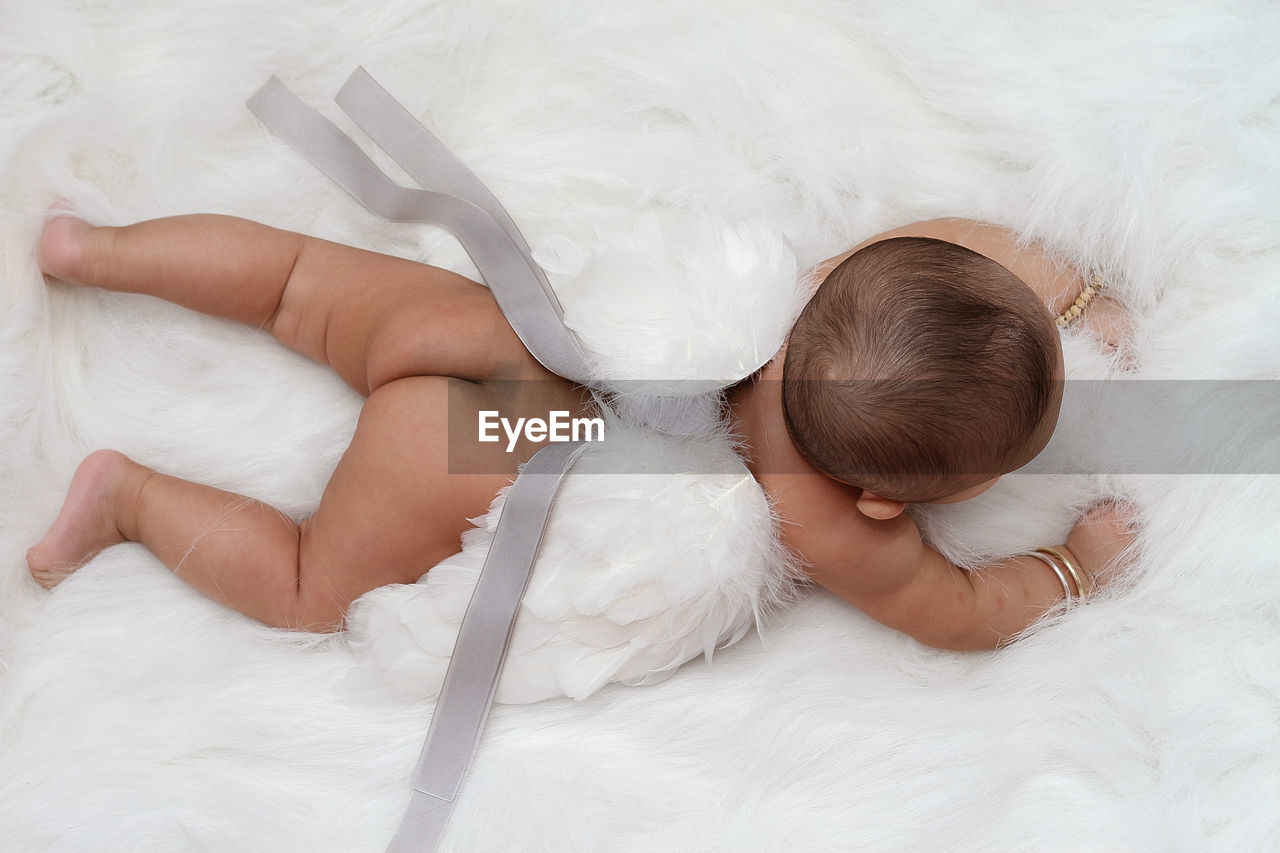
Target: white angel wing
{"type": "Point", "coordinates": [646, 564]}
{"type": "Point", "coordinates": [666, 294]}
{"type": "Point", "coordinates": [659, 548]}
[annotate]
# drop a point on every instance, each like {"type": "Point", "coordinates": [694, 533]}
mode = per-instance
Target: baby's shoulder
{"type": "Point", "coordinates": [839, 546]}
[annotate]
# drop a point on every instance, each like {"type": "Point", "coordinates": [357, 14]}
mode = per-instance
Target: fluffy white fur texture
{"type": "Point", "coordinates": [1139, 138]}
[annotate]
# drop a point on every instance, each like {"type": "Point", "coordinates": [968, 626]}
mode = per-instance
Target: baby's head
{"type": "Point", "coordinates": [920, 370]}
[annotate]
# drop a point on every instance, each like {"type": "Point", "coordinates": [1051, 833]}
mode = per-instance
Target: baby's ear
{"type": "Point", "coordinates": [873, 506]}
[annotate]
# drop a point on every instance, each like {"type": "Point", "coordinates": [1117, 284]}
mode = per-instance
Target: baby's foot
{"type": "Point", "coordinates": [87, 522]}
{"type": "Point", "coordinates": [64, 249]}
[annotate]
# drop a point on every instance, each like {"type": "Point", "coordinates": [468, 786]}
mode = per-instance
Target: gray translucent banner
{"type": "Point", "coordinates": [1165, 426]}
{"type": "Point", "coordinates": [1105, 426]}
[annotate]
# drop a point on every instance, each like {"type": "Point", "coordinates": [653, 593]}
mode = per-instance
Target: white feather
{"type": "Point", "coordinates": [662, 298]}
{"type": "Point", "coordinates": [638, 573]}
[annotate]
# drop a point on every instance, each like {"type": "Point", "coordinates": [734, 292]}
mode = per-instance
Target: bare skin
{"type": "Point", "coordinates": [862, 547]}
{"type": "Point", "coordinates": [421, 343]}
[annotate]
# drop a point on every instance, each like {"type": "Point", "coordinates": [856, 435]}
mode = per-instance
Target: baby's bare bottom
{"type": "Point", "coordinates": [391, 509]}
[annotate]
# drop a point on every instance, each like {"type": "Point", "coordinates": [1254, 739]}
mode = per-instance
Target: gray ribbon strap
{"type": "Point", "coordinates": [481, 647]}
{"type": "Point", "coordinates": [426, 159]}
{"type": "Point", "coordinates": [478, 222]}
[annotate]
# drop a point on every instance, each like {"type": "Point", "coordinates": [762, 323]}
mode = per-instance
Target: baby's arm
{"type": "Point", "coordinates": [1056, 283]}
{"type": "Point", "coordinates": [912, 588]}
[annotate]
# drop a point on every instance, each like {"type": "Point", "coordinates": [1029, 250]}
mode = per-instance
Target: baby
{"type": "Point", "coordinates": [950, 380]}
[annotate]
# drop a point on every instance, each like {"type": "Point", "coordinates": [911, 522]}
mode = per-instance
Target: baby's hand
{"type": "Point", "coordinates": [1109, 321]}
{"type": "Point", "coordinates": [1101, 539]}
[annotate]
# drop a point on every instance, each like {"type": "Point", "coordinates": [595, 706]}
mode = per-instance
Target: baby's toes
{"type": "Point", "coordinates": [63, 249]}
{"type": "Point", "coordinates": [46, 571]}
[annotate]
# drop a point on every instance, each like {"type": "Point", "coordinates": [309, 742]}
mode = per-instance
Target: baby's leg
{"type": "Point", "coordinates": [372, 317]}
{"type": "Point", "coordinates": [228, 546]}
{"type": "Point", "coordinates": [217, 265]}
{"type": "Point", "coordinates": [390, 512]}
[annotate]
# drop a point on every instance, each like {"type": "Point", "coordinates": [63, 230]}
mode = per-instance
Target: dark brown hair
{"type": "Point", "coordinates": [920, 368]}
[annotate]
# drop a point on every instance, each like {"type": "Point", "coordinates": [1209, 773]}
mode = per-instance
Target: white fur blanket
{"type": "Point", "coordinates": [1143, 138]}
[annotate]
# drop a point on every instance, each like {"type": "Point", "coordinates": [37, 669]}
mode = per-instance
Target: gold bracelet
{"type": "Point", "coordinates": [1057, 570]}
{"type": "Point", "coordinates": [1076, 572]}
{"type": "Point", "coordinates": [1090, 290]}
{"type": "Point", "coordinates": [1090, 579]}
